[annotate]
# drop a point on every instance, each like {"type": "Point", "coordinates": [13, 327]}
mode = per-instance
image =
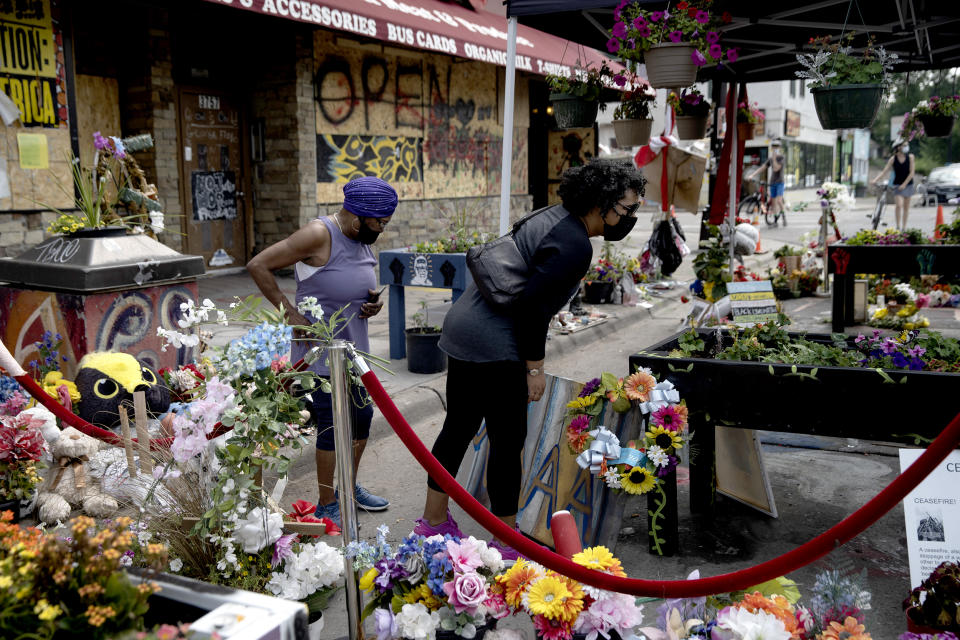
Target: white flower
{"type": "Point", "coordinates": [658, 456]}
{"type": "Point", "coordinates": [177, 339]}
{"type": "Point", "coordinates": [176, 564]}
{"type": "Point", "coordinates": [259, 529]}
{"type": "Point", "coordinates": [310, 305]}
{"type": "Point", "coordinates": [314, 567]}
{"type": "Point", "coordinates": [612, 478]}
{"type": "Point", "coordinates": [492, 559]}
{"type": "Point", "coordinates": [416, 623]}
{"type": "Point", "coordinates": [144, 538]}
{"type": "Point", "coordinates": [156, 221]}
{"type": "Point", "coordinates": [752, 626]}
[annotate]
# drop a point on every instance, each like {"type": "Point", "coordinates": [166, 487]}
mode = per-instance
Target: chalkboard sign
{"type": "Point", "coordinates": [752, 302]}
{"type": "Point", "coordinates": [214, 195]}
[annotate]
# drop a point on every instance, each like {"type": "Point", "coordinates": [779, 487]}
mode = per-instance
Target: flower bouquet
{"type": "Point", "coordinates": [561, 607]}
{"type": "Point", "coordinates": [906, 316]}
{"type": "Point", "coordinates": [21, 448]}
{"type": "Point", "coordinates": [847, 84]}
{"type": "Point", "coordinates": [684, 37]}
{"type": "Point", "coordinates": [600, 280]}
{"type": "Point", "coordinates": [429, 586]}
{"type": "Point", "coordinates": [835, 196]}
{"type": "Point", "coordinates": [932, 117]}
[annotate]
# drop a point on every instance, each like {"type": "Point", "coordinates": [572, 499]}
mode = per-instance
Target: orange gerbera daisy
{"type": "Point", "coordinates": [517, 580]}
{"type": "Point", "coordinates": [683, 412]}
{"type": "Point", "coordinates": [639, 385]}
{"type": "Point", "coordinates": [849, 630]}
{"type": "Point", "coordinates": [573, 605]}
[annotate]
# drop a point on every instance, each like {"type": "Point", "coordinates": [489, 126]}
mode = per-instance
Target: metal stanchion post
{"type": "Point", "coordinates": [343, 442]}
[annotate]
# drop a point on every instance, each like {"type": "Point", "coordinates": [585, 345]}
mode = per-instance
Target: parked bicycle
{"type": "Point", "coordinates": [879, 207]}
{"type": "Point", "coordinates": [755, 202]}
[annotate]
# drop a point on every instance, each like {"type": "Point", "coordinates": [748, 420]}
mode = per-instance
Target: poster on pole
{"type": "Point", "coordinates": [932, 516]}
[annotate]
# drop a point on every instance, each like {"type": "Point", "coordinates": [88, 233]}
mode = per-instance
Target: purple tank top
{"type": "Point", "coordinates": [342, 282]}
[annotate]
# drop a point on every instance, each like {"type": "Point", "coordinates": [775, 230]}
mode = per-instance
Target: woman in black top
{"type": "Point", "coordinates": [902, 163]}
{"type": "Point", "coordinates": [496, 360]}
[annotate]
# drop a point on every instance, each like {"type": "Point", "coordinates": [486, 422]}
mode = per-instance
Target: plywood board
{"type": "Point", "coordinates": [98, 109]}
{"type": "Point", "coordinates": [740, 471]}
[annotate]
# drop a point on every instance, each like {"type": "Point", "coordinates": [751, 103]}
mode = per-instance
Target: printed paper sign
{"type": "Point", "coordinates": [33, 151]}
{"type": "Point", "coordinates": [752, 302]}
{"type": "Point", "coordinates": [932, 516]}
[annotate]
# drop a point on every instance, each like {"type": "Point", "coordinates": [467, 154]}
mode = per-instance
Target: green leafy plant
{"type": "Point", "coordinates": [421, 320]}
{"type": "Point", "coordinates": [585, 83]}
{"type": "Point", "coordinates": [935, 602]}
{"type": "Point", "coordinates": [749, 113]}
{"type": "Point", "coordinates": [635, 104]}
{"type": "Point", "coordinates": [836, 63]}
{"type": "Point", "coordinates": [710, 265]}
{"type": "Point", "coordinates": [690, 102]}
{"type": "Point", "coordinates": [787, 250]}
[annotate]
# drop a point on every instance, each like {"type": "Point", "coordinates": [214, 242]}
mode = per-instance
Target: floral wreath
{"type": "Point", "coordinates": [639, 466]}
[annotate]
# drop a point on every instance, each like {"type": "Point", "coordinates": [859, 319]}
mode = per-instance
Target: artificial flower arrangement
{"type": "Point", "coordinates": [906, 317]}
{"type": "Point", "coordinates": [837, 64]}
{"type": "Point", "coordinates": [690, 102]}
{"type": "Point", "coordinates": [835, 196]}
{"type": "Point", "coordinates": [604, 270]}
{"type": "Point", "coordinates": [749, 113]}
{"type": "Point", "coordinates": [21, 451]}
{"type": "Point", "coordinates": [426, 585]}
{"type": "Point", "coordinates": [561, 607]}
{"type": "Point", "coordinates": [934, 106]}
{"type": "Point", "coordinates": [637, 467]}
{"type": "Point", "coordinates": [935, 603]}
{"type": "Point", "coordinates": [71, 583]}
{"type": "Point", "coordinates": [636, 29]}
{"type": "Point", "coordinates": [13, 397]}
{"type": "Point", "coordinates": [586, 83]}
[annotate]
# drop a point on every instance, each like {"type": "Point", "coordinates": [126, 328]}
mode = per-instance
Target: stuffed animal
{"type": "Point", "coordinates": [106, 380]}
{"type": "Point", "coordinates": [69, 483]}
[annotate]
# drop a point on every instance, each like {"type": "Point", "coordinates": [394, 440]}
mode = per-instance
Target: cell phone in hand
{"type": "Point", "coordinates": [373, 297]}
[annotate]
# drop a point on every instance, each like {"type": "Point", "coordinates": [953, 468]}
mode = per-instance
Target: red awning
{"type": "Point", "coordinates": [435, 26]}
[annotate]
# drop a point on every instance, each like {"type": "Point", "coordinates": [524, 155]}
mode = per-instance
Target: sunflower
{"type": "Point", "coordinates": [639, 385]}
{"type": "Point", "coordinates": [665, 438]}
{"type": "Point", "coordinates": [637, 481]}
{"type": "Point", "coordinates": [595, 558]}
{"type": "Point", "coordinates": [669, 418]}
{"type": "Point", "coordinates": [849, 630]}
{"type": "Point", "coordinates": [516, 580]}
{"type": "Point", "coordinates": [547, 597]}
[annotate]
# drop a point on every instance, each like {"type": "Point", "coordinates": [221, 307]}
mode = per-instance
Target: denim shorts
{"type": "Point", "coordinates": [906, 192]}
{"type": "Point", "coordinates": [776, 190]}
{"type": "Point", "coordinates": [321, 410]}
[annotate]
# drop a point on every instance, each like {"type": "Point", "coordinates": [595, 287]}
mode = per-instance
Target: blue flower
{"type": "Point", "coordinates": [258, 348]}
{"type": "Point", "coordinates": [9, 386]}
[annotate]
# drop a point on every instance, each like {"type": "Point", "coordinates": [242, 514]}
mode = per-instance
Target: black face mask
{"type": "Point", "coordinates": [619, 231]}
{"type": "Point", "coordinates": [366, 235]}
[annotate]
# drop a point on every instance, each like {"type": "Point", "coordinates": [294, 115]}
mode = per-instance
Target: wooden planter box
{"type": "Point", "coordinates": [827, 401]}
{"type": "Point", "coordinates": [844, 261]}
{"type": "Point", "coordinates": [401, 268]}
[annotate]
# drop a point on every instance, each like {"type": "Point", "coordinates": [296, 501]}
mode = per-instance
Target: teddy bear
{"type": "Point", "coordinates": [69, 484]}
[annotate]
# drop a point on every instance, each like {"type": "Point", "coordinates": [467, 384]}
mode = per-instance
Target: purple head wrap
{"type": "Point", "coordinates": [369, 197]}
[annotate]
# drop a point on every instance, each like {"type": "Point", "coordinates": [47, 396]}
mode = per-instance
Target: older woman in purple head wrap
{"type": "Point", "coordinates": [333, 263]}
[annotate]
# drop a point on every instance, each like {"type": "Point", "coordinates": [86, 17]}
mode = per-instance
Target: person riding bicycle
{"type": "Point", "coordinates": [903, 164]}
{"type": "Point", "coordinates": [774, 162]}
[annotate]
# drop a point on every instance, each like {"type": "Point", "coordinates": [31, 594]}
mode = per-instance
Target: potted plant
{"type": "Point", "coordinates": [692, 113]}
{"type": "Point", "coordinates": [576, 99]}
{"type": "Point", "coordinates": [932, 118]}
{"type": "Point", "coordinates": [426, 587]}
{"type": "Point", "coordinates": [600, 281]}
{"type": "Point", "coordinates": [423, 339]}
{"type": "Point", "coordinates": [632, 120]}
{"type": "Point", "coordinates": [21, 447]}
{"type": "Point", "coordinates": [847, 86]}
{"type": "Point", "coordinates": [748, 116]}
{"type": "Point", "coordinates": [933, 606]}
{"type": "Point", "coordinates": [671, 43]}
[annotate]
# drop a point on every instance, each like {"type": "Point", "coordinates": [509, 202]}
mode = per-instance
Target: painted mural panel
{"type": "Point", "coordinates": [428, 123]}
{"type": "Point", "coordinates": [567, 148]}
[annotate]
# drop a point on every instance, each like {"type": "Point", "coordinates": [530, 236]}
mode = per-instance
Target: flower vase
{"type": "Point", "coordinates": [692, 127]}
{"type": "Point", "coordinates": [315, 628]}
{"type": "Point", "coordinates": [572, 112]}
{"type": "Point", "coordinates": [847, 106]}
{"type": "Point", "coordinates": [632, 133]}
{"type": "Point", "coordinates": [936, 126]}
{"type": "Point", "coordinates": [670, 65]}
{"type": "Point", "coordinates": [745, 131]}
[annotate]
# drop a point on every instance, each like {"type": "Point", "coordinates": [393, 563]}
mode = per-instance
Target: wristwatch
{"type": "Point", "coordinates": [533, 372]}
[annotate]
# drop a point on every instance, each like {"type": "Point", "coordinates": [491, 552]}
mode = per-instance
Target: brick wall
{"type": "Point", "coordinates": [20, 231]}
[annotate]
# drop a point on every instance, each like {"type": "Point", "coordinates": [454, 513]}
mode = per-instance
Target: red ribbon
{"type": "Point", "coordinates": [646, 155]}
{"type": "Point", "coordinates": [304, 510]}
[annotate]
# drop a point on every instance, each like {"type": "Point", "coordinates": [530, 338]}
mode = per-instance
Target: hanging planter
{"type": "Point", "coordinates": [632, 132]}
{"type": "Point", "coordinates": [670, 65]}
{"type": "Point", "coordinates": [572, 112]}
{"type": "Point", "coordinates": [936, 126]}
{"type": "Point", "coordinates": [692, 127]}
{"type": "Point", "coordinates": [847, 106]}
{"type": "Point", "coordinates": [745, 131]}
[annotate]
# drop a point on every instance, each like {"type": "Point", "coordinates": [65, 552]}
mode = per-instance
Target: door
{"type": "Point", "coordinates": [212, 178]}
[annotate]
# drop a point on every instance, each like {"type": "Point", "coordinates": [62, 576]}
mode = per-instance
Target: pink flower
{"type": "Point", "coordinates": [644, 31]}
{"type": "Point", "coordinates": [702, 17]}
{"type": "Point", "coordinates": [655, 16]}
{"type": "Point", "coordinates": [712, 36]}
{"type": "Point", "coordinates": [698, 58]}
{"type": "Point", "coordinates": [464, 555]}
{"type": "Point", "coordinates": [923, 300]}
{"type": "Point", "coordinates": [282, 549]}
{"type": "Point", "coordinates": [639, 21]}
{"type": "Point", "coordinates": [580, 423]}
{"type": "Point", "coordinates": [620, 80]}
{"type": "Point", "coordinates": [466, 591]}
{"type": "Point", "coordinates": [733, 54]}
{"type": "Point", "coordinates": [619, 30]}
{"type": "Point", "coordinates": [613, 45]}
{"type": "Point", "coordinates": [496, 606]}
{"type": "Point", "coordinates": [99, 142]}
{"type": "Point", "coordinates": [715, 51]}
{"type": "Point", "coordinates": [549, 629]}
{"type": "Point", "coordinates": [675, 36]}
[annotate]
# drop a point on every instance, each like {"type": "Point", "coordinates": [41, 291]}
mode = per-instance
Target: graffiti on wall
{"type": "Point", "coordinates": [340, 158]}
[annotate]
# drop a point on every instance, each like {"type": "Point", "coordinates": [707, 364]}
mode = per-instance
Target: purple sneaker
{"type": "Point", "coordinates": [449, 527]}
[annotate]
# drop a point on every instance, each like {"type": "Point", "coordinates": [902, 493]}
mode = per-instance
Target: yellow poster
{"type": "Point", "coordinates": [29, 57]}
{"type": "Point", "coordinates": [33, 151]}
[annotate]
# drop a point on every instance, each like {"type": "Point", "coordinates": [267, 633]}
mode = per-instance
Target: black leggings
{"type": "Point", "coordinates": [495, 392]}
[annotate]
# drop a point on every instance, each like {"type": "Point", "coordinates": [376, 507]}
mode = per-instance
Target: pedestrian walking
{"type": "Point", "coordinates": [496, 358]}
{"type": "Point", "coordinates": [903, 165]}
{"type": "Point", "coordinates": [333, 263]}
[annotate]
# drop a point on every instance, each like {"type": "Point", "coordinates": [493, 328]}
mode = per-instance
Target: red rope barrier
{"type": "Point", "coordinates": [823, 544]}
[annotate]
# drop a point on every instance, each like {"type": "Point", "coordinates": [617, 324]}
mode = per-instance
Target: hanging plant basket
{"type": "Point", "coordinates": [847, 106]}
{"type": "Point", "coordinates": [669, 65]}
{"type": "Point", "coordinates": [745, 130]}
{"type": "Point", "coordinates": [936, 126]}
{"type": "Point", "coordinates": [572, 112]}
{"type": "Point", "coordinates": [692, 127]}
{"type": "Point", "coordinates": [632, 133]}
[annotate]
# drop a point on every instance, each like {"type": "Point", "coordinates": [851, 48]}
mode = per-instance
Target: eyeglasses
{"type": "Point", "coordinates": [628, 211]}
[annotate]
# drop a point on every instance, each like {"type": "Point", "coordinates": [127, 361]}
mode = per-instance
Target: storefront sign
{"type": "Point", "coordinates": [792, 124]}
{"type": "Point", "coordinates": [932, 516]}
{"type": "Point", "coordinates": [434, 26]}
{"type": "Point", "coordinates": [752, 302]}
{"type": "Point", "coordinates": [29, 72]}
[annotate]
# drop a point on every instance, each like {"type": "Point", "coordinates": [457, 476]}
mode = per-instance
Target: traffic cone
{"type": "Point", "coordinates": [936, 230]}
{"type": "Point", "coordinates": [759, 250]}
